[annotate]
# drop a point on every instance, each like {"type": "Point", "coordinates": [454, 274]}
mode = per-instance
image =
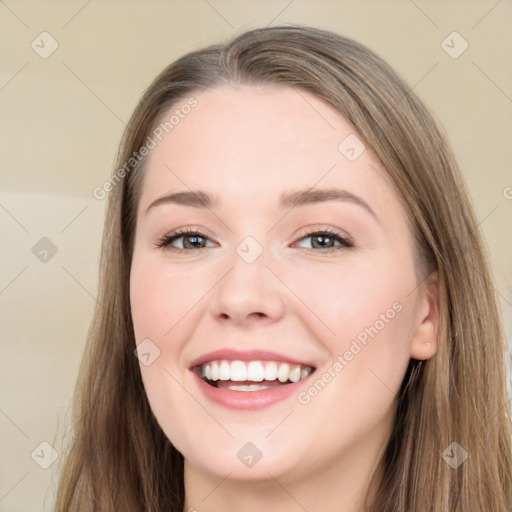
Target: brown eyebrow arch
{"type": "Point", "coordinates": [315, 196]}
{"type": "Point", "coordinates": [196, 199]}
{"type": "Point", "coordinates": [292, 199]}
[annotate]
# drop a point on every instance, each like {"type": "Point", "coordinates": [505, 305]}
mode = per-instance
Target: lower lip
{"type": "Point", "coordinates": [249, 400]}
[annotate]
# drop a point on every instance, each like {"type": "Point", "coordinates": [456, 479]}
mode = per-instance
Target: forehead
{"type": "Point", "coordinates": [254, 142]}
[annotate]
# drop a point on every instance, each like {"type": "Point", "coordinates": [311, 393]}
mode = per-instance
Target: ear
{"type": "Point", "coordinates": [424, 339]}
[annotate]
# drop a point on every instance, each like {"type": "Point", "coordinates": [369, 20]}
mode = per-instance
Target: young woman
{"type": "Point", "coordinates": [295, 307]}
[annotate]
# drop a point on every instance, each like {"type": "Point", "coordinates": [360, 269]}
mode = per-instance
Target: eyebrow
{"type": "Point", "coordinates": [196, 199]}
{"type": "Point", "coordinates": [291, 199]}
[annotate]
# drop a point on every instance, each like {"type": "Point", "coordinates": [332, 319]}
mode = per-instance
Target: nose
{"type": "Point", "coordinates": [248, 293]}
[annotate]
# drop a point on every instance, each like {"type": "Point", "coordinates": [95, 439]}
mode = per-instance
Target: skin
{"type": "Point", "coordinates": [246, 145]}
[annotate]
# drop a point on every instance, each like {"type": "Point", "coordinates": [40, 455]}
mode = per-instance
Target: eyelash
{"type": "Point", "coordinates": [166, 240]}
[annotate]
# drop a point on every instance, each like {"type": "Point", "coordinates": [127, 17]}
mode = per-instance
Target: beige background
{"type": "Point", "coordinates": [62, 118]}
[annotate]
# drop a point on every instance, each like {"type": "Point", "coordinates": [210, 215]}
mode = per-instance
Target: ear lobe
{"type": "Point", "coordinates": [424, 339]}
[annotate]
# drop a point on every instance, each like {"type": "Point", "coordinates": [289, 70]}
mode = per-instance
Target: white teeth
{"type": "Point", "coordinates": [271, 371]}
{"type": "Point", "coordinates": [238, 371]}
{"type": "Point", "coordinates": [283, 372]}
{"type": "Point", "coordinates": [294, 374]}
{"type": "Point", "coordinates": [254, 371]}
{"type": "Point", "coordinates": [250, 387]}
{"type": "Point", "coordinates": [224, 370]}
{"type": "Point", "coordinates": [215, 371]}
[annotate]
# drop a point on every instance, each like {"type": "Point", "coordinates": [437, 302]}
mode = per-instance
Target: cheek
{"type": "Point", "coordinates": [149, 303]}
{"type": "Point", "coordinates": [367, 316]}
{"type": "Point", "coordinates": [374, 332]}
{"type": "Point", "coordinates": [159, 313]}
{"type": "Point", "coordinates": [355, 300]}
{"type": "Point", "coordinates": [143, 302]}
{"type": "Point", "coordinates": [163, 299]}
{"type": "Point", "coordinates": [355, 392]}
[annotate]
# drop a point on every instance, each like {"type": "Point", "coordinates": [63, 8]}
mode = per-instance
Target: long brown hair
{"type": "Point", "coordinates": [119, 458]}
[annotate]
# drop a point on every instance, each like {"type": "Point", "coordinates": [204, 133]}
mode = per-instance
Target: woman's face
{"type": "Point", "coordinates": [303, 269]}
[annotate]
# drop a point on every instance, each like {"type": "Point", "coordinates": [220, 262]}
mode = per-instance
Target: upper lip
{"type": "Point", "coordinates": [246, 355]}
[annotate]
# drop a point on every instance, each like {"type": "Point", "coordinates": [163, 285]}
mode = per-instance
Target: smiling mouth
{"type": "Point", "coordinates": [251, 375]}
